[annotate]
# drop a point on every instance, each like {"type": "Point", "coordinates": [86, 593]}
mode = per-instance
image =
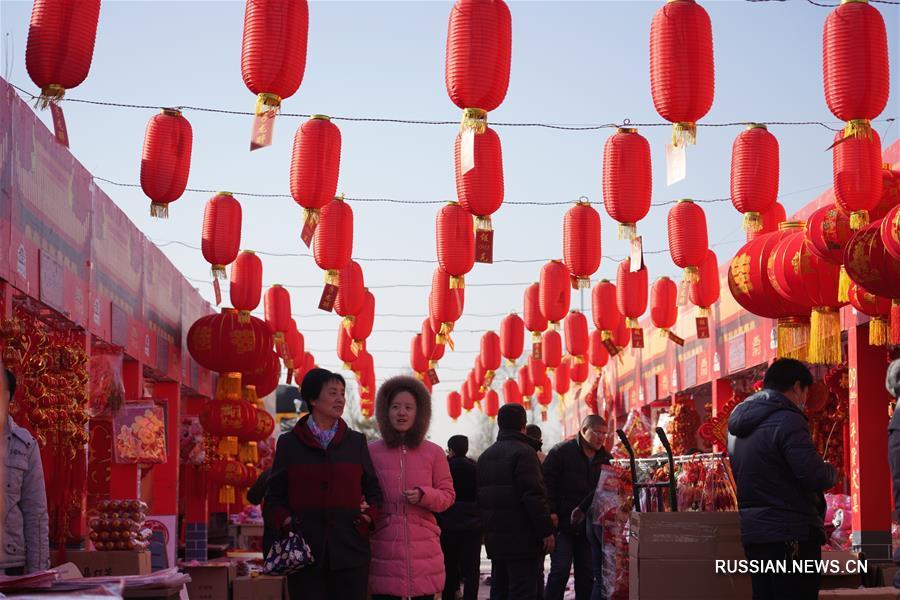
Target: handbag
{"type": "Point", "coordinates": [288, 555]}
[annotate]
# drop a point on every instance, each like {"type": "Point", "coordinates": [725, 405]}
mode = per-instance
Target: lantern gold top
{"type": "Point", "coordinates": [849, 1]}
{"type": "Point", "coordinates": [791, 225]}
{"type": "Point", "coordinates": [170, 112]}
{"type": "Point", "coordinates": [626, 130]}
{"type": "Point", "coordinates": [277, 285]}
{"type": "Point", "coordinates": [688, 200]}
{"type": "Point", "coordinates": [757, 126]}
{"type": "Point", "coordinates": [662, 277]}
{"type": "Point", "coordinates": [321, 117]}
{"type": "Point", "coordinates": [249, 251]}
{"type": "Point", "coordinates": [224, 194]}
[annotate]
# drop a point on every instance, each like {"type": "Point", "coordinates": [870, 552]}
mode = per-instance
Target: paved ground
{"type": "Point", "coordinates": [484, 590]}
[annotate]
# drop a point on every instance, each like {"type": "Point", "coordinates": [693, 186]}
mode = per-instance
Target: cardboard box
{"type": "Point", "coordinates": [882, 593]}
{"type": "Point", "coordinates": [689, 579]}
{"type": "Point", "coordinates": [155, 594]}
{"type": "Point", "coordinates": [264, 587]}
{"type": "Point", "coordinates": [109, 563]}
{"type": "Point", "coordinates": [250, 537]}
{"type": "Point", "coordinates": [886, 575]}
{"type": "Point", "coordinates": [686, 535]}
{"type": "Point", "coordinates": [211, 581]}
{"type": "Point", "coordinates": [846, 578]}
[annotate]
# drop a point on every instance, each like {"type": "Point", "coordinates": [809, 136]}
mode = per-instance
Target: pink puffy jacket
{"type": "Point", "coordinates": [406, 544]}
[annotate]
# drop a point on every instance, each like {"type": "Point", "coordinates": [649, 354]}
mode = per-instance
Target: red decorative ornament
{"type": "Point", "coordinates": [581, 243]}
{"type": "Point", "coordinates": [455, 242]}
{"type": "Point", "coordinates": [598, 355]}
{"type": "Point", "coordinates": [481, 373]}
{"type": "Point", "coordinates": [221, 237]}
{"type": "Point", "coordinates": [855, 62]}
{"type": "Point", "coordinates": [490, 352]}
{"type": "Point", "coordinates": [561, 380]}
{"type": "Point", "coordinates": [604, 308]}
{"type": "Point", "coordinates": [576, 330]}
{"type": "Point", "coordinates": [555, 292]}
{"type": "Point", "coordinates": [551, 348]}
{"type": "Point", "coordinates": [454, 405]}
{"type": "Point", "coordinates": [663, 305]}
{"type": "Point", "coordinates": [878, 309]}
{"type": "Point", "coordinates": [771, 219]}
{"type": "Point", "coordinates": [277, 308]}
{"type": "Point", "coordinates": [511, 392]}
{"type": "Point", "coordinates": [315, 167]}
{"type": "Point", "coordinates": [60, 45]}
{"type": "Point", "coordinates": [631, 293]}
{"type": "Point", "coordinates": [333, 242]}
{"type": "Point", "coordinates": [682, 76]}
{"type": "Point", "coordinates": [857, 168]}
{"type": "Point", "coordinates": [627, 179]}
{"type": "Point", "coordinates": [512, 337]}
{"type": "Point", "coordinates": [480, 189]}
{"type": "Point", "coordinates": [352, 293]}
{"type": "Point", "coordinates": [296, 347]}
{"type": "Point", "coordinates": [245, 287]}
{"type": "Point", "coordinates": [705, 291]}
{"type": "Point", "coordinates": [871, 266]}
{"type": "Point", "coordinates": [621, 336]}
{"type": "Point", "coordinates": [688, 240]}
{"type": "Point", "coordinates": [418, 362]}
{"type": "Point", "coordinates": [165, 159]}
{"type": "Point", "coordinates": [754, 174]}
{"type": "Point", "coordinates": [222, 343]}
{"type": "Point", "coordinates": [890, 232]}
{"type": "Point", "coordinates": [535, 321]}
{"type": "Point", "coordinates": [526, 384]}
{"type": "Point", "coordinates": [491, 404]}
{"type": "Point", "coordinates": [446, 306]}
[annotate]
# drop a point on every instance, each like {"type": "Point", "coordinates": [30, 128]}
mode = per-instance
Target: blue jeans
{"type": "Point", "coordinates": [595, 536]}
{"type": "Point", "coordinates": [570, 547]}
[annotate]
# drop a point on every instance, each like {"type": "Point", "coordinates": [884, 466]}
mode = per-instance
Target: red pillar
{"type": "Point", "coordinates": [722, 392]}
{"type": "Point", "coordinates": [124, 480]}
{"type": "Point", "coordinates": [194, 492]}
{"type": "Point", "coordinates": [165, 475]}
{"type": "Point", "coordinates": [869, 474]}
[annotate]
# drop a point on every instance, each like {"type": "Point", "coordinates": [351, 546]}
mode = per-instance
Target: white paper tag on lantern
{"type": "Point", "coordinates": [637, 255]}
{"type": "Point", "coordinates": [467, 151]}
{"type": "Point", "coordinates": [676, 164]}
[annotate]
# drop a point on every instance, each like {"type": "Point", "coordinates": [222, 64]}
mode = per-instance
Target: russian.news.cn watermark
{"type": "Point", "coordinates": [791, 567]}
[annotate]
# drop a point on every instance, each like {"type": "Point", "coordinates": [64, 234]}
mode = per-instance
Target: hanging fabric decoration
{"type": "Point", "coordinates": [688, 240]}
{"type": "Point", "coordinates": [429, 344]}
{"type": "Point", "coordinates": [480, 187]}
{"type": "Point", "coordinates": [221, 235]}
{"type": "Point", "coordinates": [627, 179]}
{"type": "Point", "coordinates": [245, 288]}
{"type": "Point", "coordinates": [364, 321]}
{"type": "Point", "coordinates": [663, 307]}
{"type": "Point", "coordinates": [512, 337]}
{"type": "Point", "coordinates": [273, 58]}
{"type": "Point", "coordinates": [446, 306]}
{"type": "Point", "coordinates": [555, 292]}
{"type": "Point", "coordinates": [870, 265]}
{"type": "Point", "coordinates": [418, 362]}
{"type": "Point", "coordinates": [526, 384]}
{"type": "Point", "coordinates": [704, 292]}
{"type": "Point", "coordinates": [491, 404]}
{"type": "Point", "coordinates": [631, 298]}
{"type": "Point", "coordinates": [455, 240]}
{"type": "Point", "coordinates": [754, 174]}
{"type": "Point", "coordinates": [562, 380]}
{"type": "Point", "coordinates": [315, 168]}
{"type": "Point", "coordinates": [890, 193]}
{"type": "Point", "coordinates": [545, 397]}
{"type": "Point", "coordinates": [535, 321]}
{"type": "Point", "coordinates": [332, 247]}
{"type": "Point", "coordinates": [581, 243]}
{"type": "Point", "coordinates": [165, 160]}
{"type": "Point", "coordinates": [221, 343]}
{"type": "Point", "coordinates": [878, 310]}
{"type": "Point", "coordinates": [576, 330]}
{"type": "Point", "coordinates": [578, 370]}
{"type": "Point", "coordinates": [857, 172]}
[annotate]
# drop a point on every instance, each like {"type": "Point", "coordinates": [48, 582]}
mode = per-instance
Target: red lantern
{"type": "Point", "coordinates": [446, 306]}
{"type": "Point", "coordinates": [221, 238]}
{"type": "Point", "coordinates": [165, 160]}
{"type": "Point", "coordinates": [545, 397]}
{"type": "Point", "coordinates": [512, 337]}
{"type": "Point", "coordinates": [352, 293]}
{"type": "Point", "coordinates": [296, 345]}
{"type": "Point", "coordinates": [315, 167]}
{"type": "Point", "coordinates": [537, 370]}
{"type": "Point", "coordinates": [705, 291]}
{"type": "Point", "coordinates": [526, 383]}
{"type": "Point", "coordinates": [871, 266]}
{"type": "Point", "coordinates": [598, 355]}
{"type": "Point", "coordinates": [364, 365]}
{"type": "Point", "coordinates": [439, 349]}
{"type": "Point", "coordinates": [878, 309]}
{"type": "Point", "coordinates": [688, 241]}
{"type": "Point", "coordinates": [555, 293]}
{"type": "Point", "coordinates": [578, 370]}
{"type": "Point", "coordinates": [365, 320]}
{"type": "Point", "coordinates": [771, 219]}
{"type": "Point", "coordinates": [890, 232]}
{"type": "Point", "coordinates": [480, 189]}
{"type": "Point", "coordinates": [857, 172]}
{"type": "Point", "coordinates": [627, 179]}
{"type": "Point", "coordinates": [262, 427]}
{"type": "Point", "coordinates": [551, 348]}
{"type": "Point", "coordinates": [454, 405]}
{"type": "Point", "coordinates": [60, 45]}
{"type": "Point", "coordinates": [890, 193]}
{"type": "Point", "coordinates": [277, 307]}
{"type": "Point", "coordinates": [621, 335]}
{"type": "Point", "coordinates": [479, 49]}
{"type": "Point", "coordinates": [682, 76]}
{"type": "Point", "coordinates": [333, 242]}
{"type": "Point", "coordinates": [246, 283]}
{"type": "Point", "coordinates": [827, 233]}
{"type": "Point", "coordinates": [631, 293]}
{"type": "Point", "coordinates": [466, 399]}
{"type": "Point", "coordinates": [429, 343]}
{"type": "Point", "coordinates": [481, 373]}
{"type": "Point", "coordinates": [418, 362]}
{"type": "Point", "coordinates": [455, 242]}
{"type": "Point", "coordinates": [663, 305]}
{"type": "Point", "coordinates": [511, 393]}
{"type": "Point", "coordinates": [490, 352]}
{"type": "Point", "coordinates": [604, 307]}
{"type": "Point", "coordinates": [221, 343]}
{"type": "Point", "coordinates": [581, 243]}
{"type": "Point", "coordinates": [491, 404]}
{"type": "Point", "coordinates": [227, 474]}
{"type": "Point", "coordinates": [346, 352]}
{"type": "Point", "coordinates": [273, 50]}
{"type": "Point", "coordinates": [535, 321]}
{"type": "Point", "coordinates": [855, 62]}
{"type": "Point", "coordinates": [561, 380]}
{"type": "Point", "coordinates": [576, 330]}
{"type": "Point", "coordinates": [754, 174]}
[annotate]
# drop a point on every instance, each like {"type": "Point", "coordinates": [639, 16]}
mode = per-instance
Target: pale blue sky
{"type": "Point", "coordinates": [573, 62]}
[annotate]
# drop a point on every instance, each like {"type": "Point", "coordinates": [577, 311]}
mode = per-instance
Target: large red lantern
{"type": "Point", "coordinates": [490, 352]}
{"type": "Point", "coordinates": [664, 305]}
{"type": "Point", "coordinates": [277, 308]}
{"type": "Point", "coordinates": [688, 240]}
{"type": "Point", "coordinates": [418, 362]}
{"type": "Point", "coordinates": [878, 310]}
{"type": "Point", "coordinates": [581, 243]}
{"type": "Point", "coordinates": [491, 404]}
{"type": "Point", "coordinates": [704, 292]}
{"type": "Point", "coordinates": [315, 167]}
{"type": "Point", "coordinates": [561, 379]}
{"type": "Point", "coordinates": [771, 219]}
{"type": "Point", "coordinates": [551, 348]}
{"type": "Point", "coordinates": [871, 266]}
{"type": "Point", "coordinates": [454, 405]}
{"type": "Point", "coordinates": [857, 172]}
{"type": "Point", "coordinates": [855, 61]}
{"type": "Point", "coordinates": [60, 45]}
{"type": "Point", "coordinates": [480, 188]}
{"type": "Point", "coordinates": [576, 330]}
{"type": "Point", "coordinates": [445, 307]}
{"type": "Point", "coordinates": [333, 242]}
{"type": "Point", "coordinates": [598, 355]}
{"type": "Point", "coordinates": [555, 292]}
{"type": "Point", "coordinates": [165, 160]}
{"type": "Point", "coordinates": [890, 232]}
{"type": "Point", "coordinates": [245, 287]}
{"type": "Point", "coordinates": [627, 179]}
{"type": "Point", "coordinates": [365, 320]}
{"type": "Point", "coordinates": [352, 293]}
{"type": "Point", "coordinates": [273, 50]}
{"type": "Point", "coordinates": [631, 293]}
{"type": "Point", "coordinates": [222, 343]}
{"type": "Point", "coordinates": [526, 383]}
{"type": "Point", "coordinates": [511, 392]}
{"type": "Point", "coordinates": [754, 174]}
{"type": "Point", "coordinates": [455, 242]}
{"type": "Point", "coordinates": [221, 237]}
{"type": "Point", "coordinates": [535, 320]}
{"type": "Point", "coordinates": [682, 76]}
{"type": "Point", "coordinates": [264, 379]}
{"type": "Point", "coordinates": [512, 337]}
{"type": "Point", "coordinates": [827, 232]}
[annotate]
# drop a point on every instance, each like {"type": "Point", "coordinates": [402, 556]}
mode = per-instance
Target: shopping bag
{"type": "Point", "coordinates": [288, 555]}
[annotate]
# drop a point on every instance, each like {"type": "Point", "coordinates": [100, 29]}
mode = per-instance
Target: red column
{"type": "Point", "coordinates": [722, 392]}
{"type": "Point", "coordinates": [124, 482]}
{"type": "Point", "coordinates": [165, 475]}
{"type": "Point", "coordinates": [194, 492]}
{"type": "Point", "coordinates": [869, 474]}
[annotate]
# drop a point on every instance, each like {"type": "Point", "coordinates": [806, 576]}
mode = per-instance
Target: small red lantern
{"type": "Point", "coordinates": [535, 321]}
{"type": "Point", "coordinates": [828, 232]}
{"type": "Point", "coordinates": [578, 370]}
{"type": "Point", "coordinates": [333, 242]}
{"type": "Point", "coordinates": [490, 352]}
{"type": "Point", "coordinates": [246, 284]}
{"type": "Point", "coordinates": [165, 159]}
{"type": "Point", "coordinates": [621, 336]}
{"type": "Point", "coordinates": [855, 62]}
{"type": "Point", "coordinates": [754, 174]}
{"type": "Point", "coordinates": [418, 362]}
{"type": "Point", "coordinates": [627, 179]}
{"type": "Point", "coordinates": [878, 309]}
{"type": "Point", "coordinates": [277, 307]}
{"type": "Point", "coordinates": [890, 232]}
{"type": "Point", "coordinates": [446, 306]}
{"type": "Point", "coordinates": [771, 219]}
{"type": "Point", "coordinates": [561, 380]}
{"type": "Point", "coordinates": [345, 349]}
{"type": "Point", "coordinates": [664, 305]}
{"type": "Point", "coordinates": [365, 320]}
{"type": "Point", "coordinates": [296, 345]}
{"type": "Point", "coordinates": [429, 344]}
{"type": "Point", "coordinates": [481, 373]}
{"type": "Point", "coordinates": [631, 293]}
{"type": "Point", "coordinates": [545, 397]}
{"type": "Point", "coordinates": [315, 167]}
{"type": "Point", "coordinates": [221, 237]}
{"type": "Point", "coordinates": [551, 348]}
{"type": "Point", "coordinates": [480, 188]}
{"type": "Point", "coordinates": [682, 76]}
{"type": "Point", "coordinates": [576, 330]}
{"type": "Point", "coordinates": [352, 293]}
{"type": "Point", "coordinates": [537, 370]}
{"type": "Point", "coordinates": [581, 243]}
{"type": "Point", "coordinates": [454, 405]}
{"type": "Point", "coordinates": [598, 355]}
{"type": "Point", "coordinates": [605, 309]}
{"type": "Point", "coordinates": [688, 240]}
{"type": "Point", "coordinates": [512, 337]}
{"type": "Point", "coordinates": [858, 175]}
{"type": "Point", "coordinates": [455, 242]}
{"type": "Point", "coordinates": [555, 292]}
{"type": "Point", "coordinates": [439, 349]}
{"type": "Point", "coordinates": [466, 399]}
{"type": "Point", "coordinates": [511, 393]}
{"type": "Point", "coordinates": [705, 291]}
{"type": "Point", "coordinates": [491, 404]}
{"type": "Point", "coordinates": [526, 384]}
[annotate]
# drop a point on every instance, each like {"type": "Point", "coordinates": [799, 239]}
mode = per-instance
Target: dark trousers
{"type": "Point", "coordinates": [15, 571]}
{"type": "Point", "coordinates": [385, 597]}
{"type": "Point", "coordinates": [570, 548]}
{"type": "Point", "coordinates": [784, 586]}
{"type": "Point", "coordinates": [595, 538]}
{"type": "Point", "coordinates": [314, 583]}
{"type": "Point", "coordinates": [515, 579]}
{"type": "Point", "coordinates": [462, 563]}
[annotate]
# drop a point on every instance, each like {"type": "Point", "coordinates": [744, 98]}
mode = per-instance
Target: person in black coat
{"type": "Point", "coordinates": [571, 472]}
{"type": "Point", "coordinates": [461, 524]}
{"type": "Point", "coordinates": [780, 480]}
{"type": "Point", "coordinates": [892, 383]}
{"type": "Point", "coordinates": [514, 512]}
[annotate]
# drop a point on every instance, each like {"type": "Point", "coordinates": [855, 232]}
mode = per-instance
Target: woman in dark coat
{"type": "Point", "coordinates": [321, 474]}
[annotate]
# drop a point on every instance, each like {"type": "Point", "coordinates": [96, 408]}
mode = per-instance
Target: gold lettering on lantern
{"type": "Point", "coordinates": [740, 272]}
{"type": "Point", "coordinates": [243, 340]}
{"type": "Point", "coordinates": [231, 417]}
{"type": "Point", "coordinates": [203, 337]}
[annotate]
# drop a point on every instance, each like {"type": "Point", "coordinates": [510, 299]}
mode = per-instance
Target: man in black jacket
{"type": "Point", "coordinates": [571, 471]}
{"type": "Point", "coordinates": [514, 514]}
{"type": "Point", "coordinates": [892, 383]}
{"type": "Point", "coordinates": [780, 481]}
{"type": "Point", "coordinates": [461, 524]}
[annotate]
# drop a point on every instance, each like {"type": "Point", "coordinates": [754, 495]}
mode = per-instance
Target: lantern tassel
{"type": "Point", "coordinates": [632, 323]}
{"type": "Point", "coordinates": [228, 446]}
{"type": "Point", "coordinates": [684, 132]}
{"type": "Point", "coordinates": [266, 103]}
{"type": "Point", "coordinates": [218, 272]}
{"type": "Point", "coordinates": [879, 332]}
{"type": "Point", "coordinates": [703, 312]}
{"type": "Point", "coordinates": [483, 223]}
{"type": "Point", "coordinates": [752, 222]}
{"type": "Point", "coordinates": [825, 336]}
{"type": "Point", "coordinates": [457, 283]}
{"type": "Point", "coordinates": [229, 387]}
{"type": "Point", "coordinates": [159, 210]}
{"type": "Point", "coordinates": [661, 332]}
{"type": "Point", "coordinates": [858, 128]}
{"type": "Point", "coordinates": [844, 286]}
{"type": "Point", "coordinates": [333, 277]}
{"type": "Point", "coordinates": [243, 316]}
{"type": "Point", "coordinates": [627, 231]}
{"type": "Point", "coordinates": [348, 323]}
{"type": "Point", "coordinates": [226, 494]}
{"type": "Point", "coordinates": [859, 219]}
{"type": "Point", "coordinates": [692, 274]}
{"type": "Point", "coordinates": [606, 334]}
{"type": "Point", "coordinates": [250, 394]}
{"type": "Point", "coordinates": [356, 346]}
{"type": "Point", "coordinates": [446, 330]}
{"type": "Point", "coordinates": [474, 118]}
{"type": "Point", "coordinates": [793, 338]}
{"type": "Point", "coordinates": [52, 94]}
{"type": "Point", "coordinates": [895, 322]}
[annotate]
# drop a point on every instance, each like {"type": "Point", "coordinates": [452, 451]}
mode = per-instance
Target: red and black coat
{"type": "Point", "coordinates": [322, 489]}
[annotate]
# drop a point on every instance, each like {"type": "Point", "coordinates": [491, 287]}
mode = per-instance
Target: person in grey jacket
{"type": "Point", "coordinates": [892, 383]}
{"type": "Point", "coordinates": [25, 541]}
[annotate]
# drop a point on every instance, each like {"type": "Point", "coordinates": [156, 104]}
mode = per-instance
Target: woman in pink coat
{"type": "Point", "coordinates": [415, 477]}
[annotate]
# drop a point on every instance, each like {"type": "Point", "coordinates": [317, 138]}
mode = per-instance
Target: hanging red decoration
{"type": "Point", "coordinates": [627, 179]}
{"type": "Point", "coordinates": [481, 373]}
{"type": "Point", "coordinates": [245, 287]}
{"type": "Point", "coordinates": [576, 330]}
{"type": "Point", "coordinates": [512, 337]}
{"type": "Point", "coordinates": [511, 392]}
{"type": "Point", "coordinates": [490, 353]}
{"type": "Point", "coordinates": [446, 306]}
{"type": "Point", "coordinates": [555, 292]}
{"type": "Point", "coordinates": [754, 174]}
{"type": "Point", "coordinates": [598, 355]}
{"type": "Point", "coordinates": [535, 320]}
{"type": "Point", "coordinates": [551, 348]}
{"type": "Point", "coordinates": [454, 405]}
{"type": "Point", "coordinates": [581, 243]}
{"type": "Point", "coordinates": [878, 310]}
{"type": "Point", "coordinates": [221, 236]}
{"type": "Point", "coordinates": [365, 320]}
{"type": "Point", "coordinates": [545, 397]}
{"type": "Point", "coordinates": [561, 380]}
{"type": "Point", "coordinates": [604, 308]}
{"type": "Point", "coordinates": [688, 240]}
{"type": "Point", "coordinates": [871, 266]}
{"type": "Point", "coordinates": [855, 61]}
{"type": "Point", "coordinates": [631, 293]}
{"type": "Point", "coordinates": [418, 362]}
{"type": "Point", "coordinates": [455, 242]}
{"type": "Point", "coordinates": [277, 308]}
{"type": "Point", "coordinates": [165, 160]}
{"type": "Point", "coordinates": [525, 382]}
{"type": "Point", "coordinates": [222, 343]}
{"type": "Point", "coordinates": [60, 45]}
{"type": "Point", "coordinates": [296, 347]}
{"type": "Point", "coordinates": [578, 370]}
{"type": "Point", "coordinates": [682, 75]}
{"type": "Point", "coordinates": [858, 177]}
{"type": "Point", "coordinates": [429, 344]}
{"type": "Point", "coordinates": [890, 232]}
{"type": "Point", "coordinates": [621, 336]}
{"type": "Point", "coordinates": [664, 305]}
{"type": "Point", "coordinates": [466, 399]}
{"type": "Point", "coordinates": [704, 292]}
{"type": "Point", "coordinates": [333, 242]}
{"type": "Point", "coordinates": [315, 168]}
{"type": "Point", "coordinates": [479, 185]}
{"type": "Point", "coordinates": [351, 294]}
{"type": "Point", "coordinates": [345, 349]}
{"type": "Point", "coordinates": [537, 371]}
{"type": "Point", "coordinates": [491, 404]}
{"type": "Point", "coordinates": [228, 475]}
{"type": "Point", "coordinates": [771, 219]}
